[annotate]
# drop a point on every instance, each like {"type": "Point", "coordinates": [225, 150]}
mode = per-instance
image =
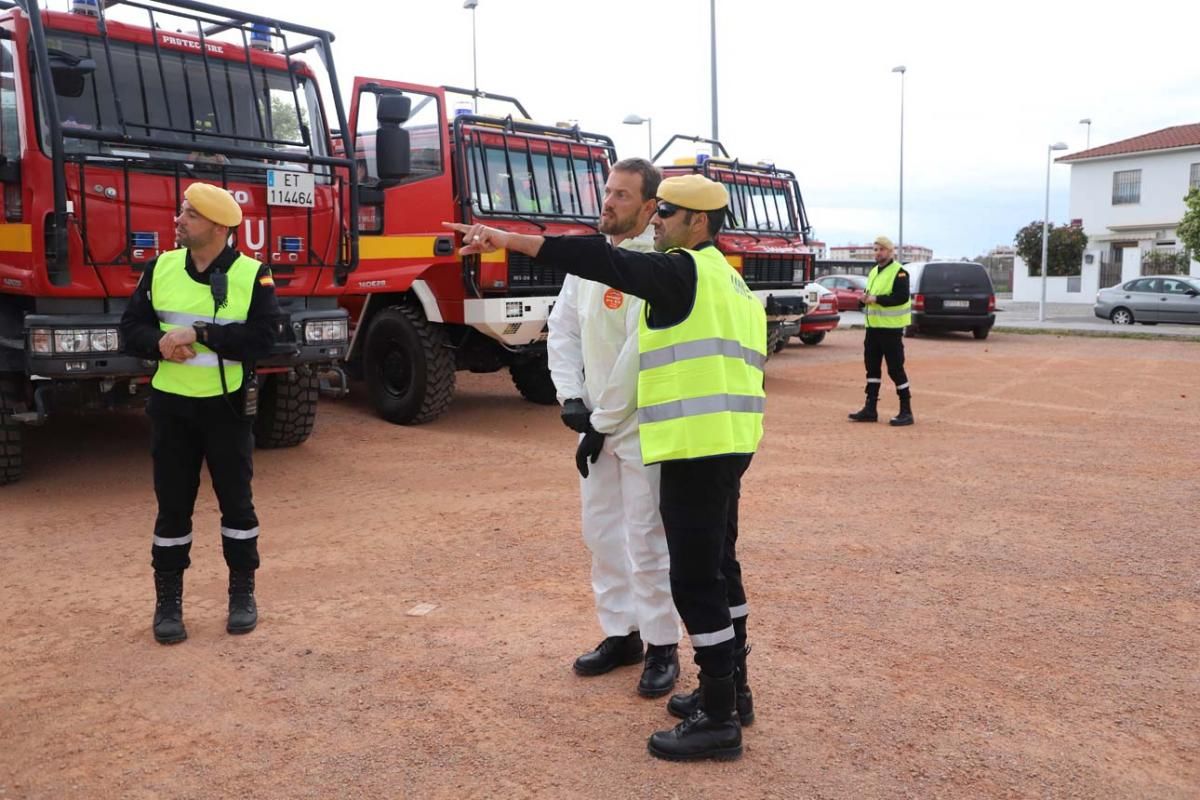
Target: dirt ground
{"type": "Point", "coordinates": [1008, 606]}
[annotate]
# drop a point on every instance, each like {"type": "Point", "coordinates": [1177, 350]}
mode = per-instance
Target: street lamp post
{"type": "Point", "coordinates": [1046, 232]}
{"type": "Point", "coordinates": [712, 25]}
{"type": "Point", "coordinates": [634, 119]}
{"type": "Point", "coordinates": [472, 4]}
{"type": "Point", "coordinates": [900, 248]}
{"type": "Point", "coordinates": [1087, 121]}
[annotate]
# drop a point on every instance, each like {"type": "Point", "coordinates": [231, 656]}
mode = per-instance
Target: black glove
{"type": "Point", "coordinates": [575, 415]}
{"type": "Point", "coordinates": [588, 450]}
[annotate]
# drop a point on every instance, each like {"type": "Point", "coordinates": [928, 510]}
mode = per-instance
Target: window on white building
{"type": "Point", "coordinates": [1194, 178]}
{"type": "Point", "coordinates": [1127, 187]}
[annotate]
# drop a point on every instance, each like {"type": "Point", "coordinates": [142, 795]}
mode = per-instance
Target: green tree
{"type": "Point", "coordinates": [1189, 228]}
{"type": "Point", "coordinates": [1064, 250]}
{"type": "Point", "coordinates": [283, 119]}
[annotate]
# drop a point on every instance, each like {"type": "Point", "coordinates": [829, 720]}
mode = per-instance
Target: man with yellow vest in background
{"type": "Point", "coordinates": [702, 346]}
{"type": "Point", "coordinates": [203, 312]}
{"type": "Point", "coordinates": [887, 308]}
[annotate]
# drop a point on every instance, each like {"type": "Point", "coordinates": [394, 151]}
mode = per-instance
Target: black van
{"type": "Point", "coordinates": [951, 296]}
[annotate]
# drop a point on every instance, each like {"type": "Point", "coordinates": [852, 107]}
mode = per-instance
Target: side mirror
{"type": "Point", "coordinates": [393, 110]}
{"type": "Point", "coordinates": [393, 152]}
{"type": "Point", "coordinates": [1192, 292]}
{"type": "Point", "coordinates": [68, 72]}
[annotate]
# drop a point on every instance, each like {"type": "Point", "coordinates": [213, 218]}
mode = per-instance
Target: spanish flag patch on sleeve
{"type": "Point", "coordinates": [266, 280]}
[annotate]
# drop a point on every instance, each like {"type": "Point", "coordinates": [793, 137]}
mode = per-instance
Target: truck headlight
{"type": "Point", "coordinates": [41, 341]}
{"type": "Point", "coordinates": [325, 331]}
{"type": "Point", "coordinates": [71, 341]}
{"type": "Point", "coordinates": [48, 341]}
{"type": "Point", "coordinates": [105, 340]}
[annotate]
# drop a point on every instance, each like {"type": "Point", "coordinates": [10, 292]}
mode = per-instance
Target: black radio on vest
{"type": "Point", "coordinates": [219, 284]}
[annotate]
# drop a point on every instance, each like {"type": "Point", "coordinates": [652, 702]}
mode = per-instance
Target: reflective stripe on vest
{"type": "Point", "coordinates": [700, 382]}
{"type": "Point", "coordinates": [179, 301]}
{"type": "Point", "coordinates": [880, 282]}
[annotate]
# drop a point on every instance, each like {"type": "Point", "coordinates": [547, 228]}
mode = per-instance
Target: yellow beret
{"type": "Point", "coordinates": [884, 241]}
{"type": "Point", "coordinates": [214, 203]}
{"type": "Point", "coordinates": [693, 192]}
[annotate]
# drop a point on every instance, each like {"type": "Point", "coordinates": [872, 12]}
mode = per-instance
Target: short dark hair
{"type": "Point", "coordinates": [716, 220]}
{"type": "Point", "coordinates": [651, 177]}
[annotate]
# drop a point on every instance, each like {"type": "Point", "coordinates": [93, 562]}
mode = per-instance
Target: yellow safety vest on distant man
{"type": "Point", "coordinates": [880, 282]}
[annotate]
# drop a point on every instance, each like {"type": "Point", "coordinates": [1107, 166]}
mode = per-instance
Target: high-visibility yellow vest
{"type": "Point", "coordinates": [179, 301]}
{"type": "Point", "coordinates": [700, 382]}
{"type": "Point", "coordinates": [879, 282]}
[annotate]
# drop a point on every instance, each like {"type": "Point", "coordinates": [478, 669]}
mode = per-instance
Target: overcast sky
{"type": "Point", "coordinates": [810, 87]}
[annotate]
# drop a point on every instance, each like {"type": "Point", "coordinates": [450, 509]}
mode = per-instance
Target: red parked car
{"type": "Point", "coordinates": [848, 288]}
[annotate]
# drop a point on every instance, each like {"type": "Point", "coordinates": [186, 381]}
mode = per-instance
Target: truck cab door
{"type": "Point", "coordinates": [402, 150]}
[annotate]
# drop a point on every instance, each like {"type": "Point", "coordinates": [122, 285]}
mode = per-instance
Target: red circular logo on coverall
{"type": "Point", "coordinates": [613, 298]}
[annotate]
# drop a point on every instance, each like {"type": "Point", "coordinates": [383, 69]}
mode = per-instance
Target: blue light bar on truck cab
{"type": "Point", "coordinates": [260, 36]}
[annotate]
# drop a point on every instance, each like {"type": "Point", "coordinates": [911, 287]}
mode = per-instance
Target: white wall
{"type": "Point", "coordinates": [1028, 289]}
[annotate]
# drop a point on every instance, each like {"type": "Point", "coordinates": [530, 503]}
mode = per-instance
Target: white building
{"type": "Point", "coordinates": [1128, 196]}
{"type": "Point", "coordinates": [866, 252]}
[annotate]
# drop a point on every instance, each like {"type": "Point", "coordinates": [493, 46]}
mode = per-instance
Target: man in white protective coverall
{"type": "Point", "coordinates": [593, 349]}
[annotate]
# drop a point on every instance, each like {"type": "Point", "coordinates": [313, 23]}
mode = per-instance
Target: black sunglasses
{"type": "Point", "coordinates": [666, 210]}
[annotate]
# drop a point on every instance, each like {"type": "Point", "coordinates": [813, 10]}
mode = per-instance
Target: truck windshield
{"type": "Point", "coordinates": [518, 180]}
{"type": "Point", "coordinates": [761, 208]}
{"type": "Point", "coordinates": [171, 95]}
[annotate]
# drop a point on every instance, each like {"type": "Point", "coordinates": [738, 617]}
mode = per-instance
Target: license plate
{"type": "Point", "coordinates": [957, 304]}
{"type": "Point", "coordinates": [286, 188]}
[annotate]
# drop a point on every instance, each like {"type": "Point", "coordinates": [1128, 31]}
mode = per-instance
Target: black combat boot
{"type": "Point", "coordinates": [613, 652]}
{"type": "Point", "coordinates": [868, 412]}
{"type": "Point", "coordinates": [713, 731]}
{"type": "Point", "coordinates": [243, 613]}
{"type": "Point", "coordinates": [168, 610]}
{"type": "Point", "coordinates": [661, 670]}
{"type": "Point", "coordinates": [905, 416]}
{"type": "Point", "coordinates": [745, 700]}
{"type": "Point", "coordinates": [684, 705]}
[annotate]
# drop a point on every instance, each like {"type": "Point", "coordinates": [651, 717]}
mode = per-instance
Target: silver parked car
{"type": "Point", "coordinates": [1150, 300]}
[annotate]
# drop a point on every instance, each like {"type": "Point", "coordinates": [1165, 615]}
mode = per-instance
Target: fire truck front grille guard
{"type": "Point", "coordinates": [208, 20]}
{"type": "Point", "coordinates": [769, 268]}
{"type": "Point", "coordinates": [788, 205]}
{"type": "Point", "coordinates": [498, 195]}
{"type": "Point", "coordinates": [556, 198]}
{"type": "Point", "coordinates": [220, 174]}
{"type": "Point", "coordinates": [525, 277]}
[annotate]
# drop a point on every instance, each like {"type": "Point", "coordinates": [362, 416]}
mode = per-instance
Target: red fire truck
{"type": "Point", "coordinates": [419, 311]}
{"type": "Point", "coordinates": [103, 124]}
{"type": "Point", "coordinates": [766, 237]}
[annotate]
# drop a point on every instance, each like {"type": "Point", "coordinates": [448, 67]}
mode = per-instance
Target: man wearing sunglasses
{"type": "Point", "coordinates": [593, 353]}
{"type": "Point", "coordinates": [702, 345]}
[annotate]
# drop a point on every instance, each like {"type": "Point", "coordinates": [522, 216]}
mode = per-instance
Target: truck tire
{"type": "Point", "coordinates": [813, 339]}
{"type": "Point", "coordinates": [775, 341]}
{"type": "Point", "coordinates": [408, 367]}
{"type": "Point", "coordinates": [10, 434]}
{"type": "Point", "coordinates": [533, 381]}
{"type": "Point", "coordinates": [287, 409]}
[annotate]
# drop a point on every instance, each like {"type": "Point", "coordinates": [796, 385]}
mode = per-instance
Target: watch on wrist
{"type": "Point", "coordinates": [201, 329]}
